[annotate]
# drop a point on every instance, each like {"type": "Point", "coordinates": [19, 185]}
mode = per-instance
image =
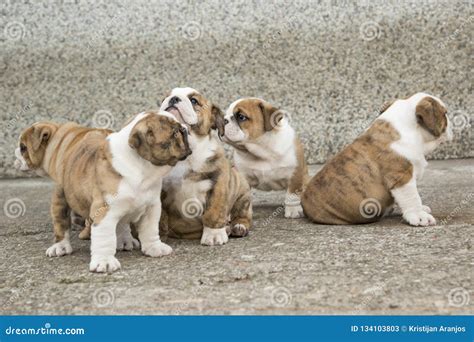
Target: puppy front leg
{"type": "Point", "coordinates": [61, 223]}
{"type": "Point", "coordinates": [296, 185]}
{"type": "Point", "coordinates": [148, 232]}
{"type": "Point", "coordinates": [104, 240]}
{"type": "Point", "coordinates": [409, 201]}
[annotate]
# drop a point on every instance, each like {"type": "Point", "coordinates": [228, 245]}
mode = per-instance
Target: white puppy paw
{"type": "Point", "coordinates": [104, 263]}
{"type": "Point", "coordinates": [59, 249]}
{"type": "Point", "coordinates": [126, 242]}
{"type": "Point", "coordinates": [239, 230]}
{"type": "Point", "coordinates": [157, 249]}
{"type": "Point", "coordinates": [214, 236]}
{"type": "Point", "coordinates": [419, 218]}
{"type": "Point", "coordinates": [294, 211]}
{"type": "Point", "coordinates": [426, 209]}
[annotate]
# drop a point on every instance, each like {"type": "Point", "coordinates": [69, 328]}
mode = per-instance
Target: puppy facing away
{"type": "Point", "coordinates": [381, 167]}
{"type": "Point", "coordinates": [111, 179]}
{"type": "Point", "coordinates": [267, 150]}
{"type": "Point", "coordinates": [204, 196]}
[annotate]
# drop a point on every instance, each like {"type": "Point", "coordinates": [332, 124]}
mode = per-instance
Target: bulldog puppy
{"type": "Point", "coordinates": [111, 179]}
{"type": "Point", "coordinates": [267, 150]}
{"type": "Point", "coordinates": [381, 166]}
{"type": "Point", "coordinates": [204, 196]}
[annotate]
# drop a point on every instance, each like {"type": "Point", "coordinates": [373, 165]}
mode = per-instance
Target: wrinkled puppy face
{"type": "Point", "coordinates": [248, 119]}
{"type": "Point", "coordinates": [32, 145]}
{"type": "Point", "coordinates": [431, 116]}
{"type": "Point", "coordinates": [160, 139]}
{"type": "Point", "coordinates": [194, 110]}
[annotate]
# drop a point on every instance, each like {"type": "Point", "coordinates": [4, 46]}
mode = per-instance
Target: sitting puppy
{"type": "Point", "coordinates": [111, 179]}
{"type": "Point", "coordinates": [203, 195]}
{"type": "Point", "coordinates": [381, 167]}
{"type": "Point", "coordinates": [267, 150]}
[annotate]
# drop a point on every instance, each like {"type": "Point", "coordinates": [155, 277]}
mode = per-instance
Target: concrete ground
{"type": "Point", "coordinates": [283, 267]}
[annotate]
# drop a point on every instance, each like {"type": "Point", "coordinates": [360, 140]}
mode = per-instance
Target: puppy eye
{"type": "Point", "coordinates": [22, 148]}
{"type": "Point", "coordinates": [240, 117]}
{"type": "Point", "coordinates": [194, 101]}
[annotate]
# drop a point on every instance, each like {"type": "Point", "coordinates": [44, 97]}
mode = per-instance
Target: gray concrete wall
{"type": "Point", "coordinates": [329, 63]}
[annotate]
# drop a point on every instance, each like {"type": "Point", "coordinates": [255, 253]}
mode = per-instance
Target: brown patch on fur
{"type": "Point", "coordinates": [365, 169]}
{"type": "Point", "coordinates": [259, 114]}
{"type": "Point", "coordinates": [210, 117]}
{"type": "Point", "coordinates": [160, 140]}
{"type": "Point", "coordinates": [431, 115]}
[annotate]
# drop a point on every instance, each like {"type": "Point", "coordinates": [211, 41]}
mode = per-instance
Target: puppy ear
{"type": "Point", "coordinates": [270, 117]}
{"type": "Point", "coordinates": [135, 140]}
{"type": "Point", "coordinates": [431, 116]}
{"type": "Point", "coordinates": [41, 135]}
{"type": "Point", "coordinates": [218, 120]}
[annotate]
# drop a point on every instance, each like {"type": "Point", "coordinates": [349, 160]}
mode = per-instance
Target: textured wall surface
{"type": "Point", "coordinates": [331, 64]}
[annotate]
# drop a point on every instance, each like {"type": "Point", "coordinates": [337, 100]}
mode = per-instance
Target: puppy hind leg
{"type": "Point", "coordinates": [241, 216]}
{"type": "Point", "coordinates": [61, 216]}
{"type": "Point", "coordinates": [148, 233]}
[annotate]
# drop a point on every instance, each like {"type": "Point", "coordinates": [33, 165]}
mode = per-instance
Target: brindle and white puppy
{"type": "Point", "coordinates": [381, 166]}
{"type": "Point", "coordinates": [111, 179]}
{"type": "Point", "coordinates": [204, 196]}
{"type": "Point", "coordinates": [267, 150]}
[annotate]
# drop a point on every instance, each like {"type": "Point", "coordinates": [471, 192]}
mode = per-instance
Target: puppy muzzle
{"type": "Point", "coordinates": [20, 162]}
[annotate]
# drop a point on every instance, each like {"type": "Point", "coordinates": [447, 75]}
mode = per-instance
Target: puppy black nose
{"type": "Point", "coordinates": [226, 122]}
{"type": "Point", "coordinates": [174, 100]}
